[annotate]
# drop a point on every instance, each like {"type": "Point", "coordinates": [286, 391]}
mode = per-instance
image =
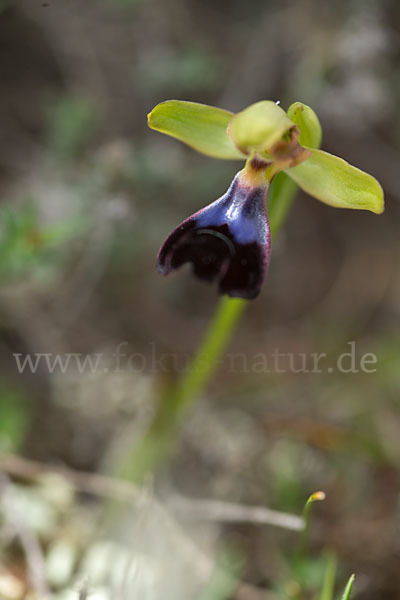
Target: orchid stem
{"type": "Point", "coordinates": [156, 445]}
{"type": "Point", "coordinates": [221, 328]}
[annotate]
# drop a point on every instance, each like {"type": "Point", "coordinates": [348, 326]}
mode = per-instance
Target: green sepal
{"type": "Point", "coordinates": [259, 126]}
{"type": "Point", "coordinates": [308, 123]}
{"type": "Point", "coordinates": [202, 127]}
{"type": "Point", "coordinates": [334, 181]}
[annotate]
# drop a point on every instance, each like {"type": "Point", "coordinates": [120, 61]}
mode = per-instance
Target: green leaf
{"type": "Point", "coordinates": [333, 181]}
{"type": "Point", "coordinates": [348, 589]}
{"type": "Point", "coordinates": [202, 127]}
{"type": "Point", "coordinates": [308, 123]}
{"type": "Point", "coordinates": [259, 126]}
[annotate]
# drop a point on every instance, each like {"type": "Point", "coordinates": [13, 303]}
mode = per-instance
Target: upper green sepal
{"type": "Point", "coordinates": [308, 123]}
{"type": "Point", "coordinates": [202, 127]}
{"type": "Point", "coordinates": [337, 183]}
{"type": "Point", "coordinates": [259, 126]}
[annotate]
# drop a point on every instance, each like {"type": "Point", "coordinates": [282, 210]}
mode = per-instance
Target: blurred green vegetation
{"type": "Point", "coordinates": [15, 415]}
{"type": "Point", "coordinates": [26, 246]}
{"type": "Point", "coordinates": [71, 122]}
{"type": "Point", "coordinates": [188, 68]}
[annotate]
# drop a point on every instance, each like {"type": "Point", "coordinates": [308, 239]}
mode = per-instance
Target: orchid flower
{"type": "Point", "coordinates": [229, 241]}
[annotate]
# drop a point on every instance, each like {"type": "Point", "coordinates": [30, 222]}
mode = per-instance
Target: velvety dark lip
{"type": "Point", "coordinates": [227, 241]}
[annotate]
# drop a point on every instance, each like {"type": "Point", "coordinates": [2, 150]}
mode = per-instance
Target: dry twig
{"type": "Point", "coordinates": [14, 522]}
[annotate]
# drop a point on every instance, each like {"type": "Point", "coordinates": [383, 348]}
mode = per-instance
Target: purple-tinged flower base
{"type": "Point", "coordinates": [228, 241]}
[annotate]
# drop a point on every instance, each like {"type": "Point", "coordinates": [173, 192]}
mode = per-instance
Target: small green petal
{"type": "Point", "coordinates": [308, 123]}
{"type": "Point", "coordinates": [202, 127]}
{"type": "Point", "coordinates": [259, 126]}
{"type": "Point", "coordinates": [333, 181]}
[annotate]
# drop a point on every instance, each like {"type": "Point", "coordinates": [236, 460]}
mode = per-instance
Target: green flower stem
{"type": "Point", "coordinates": [158, 441]}
{"type": "Point", "coordinates": [159, 438]}
{"type": "Point", "coordinates": [316, 497]}
{"type": "Point", "coordinates": [220, 330]}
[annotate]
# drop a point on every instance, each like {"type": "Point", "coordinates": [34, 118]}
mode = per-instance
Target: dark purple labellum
{"type": "Point", "coordinates": [228, 241]}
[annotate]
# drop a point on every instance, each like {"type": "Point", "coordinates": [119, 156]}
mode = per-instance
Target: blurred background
{"type": "Point", "coordinates": [88, 193]}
